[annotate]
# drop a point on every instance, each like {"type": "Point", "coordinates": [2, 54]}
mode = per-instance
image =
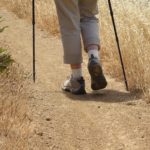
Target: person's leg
{"type": "Point", "coordinates": [91, 40]}
{"type": "Point", "coordinates": [89, 24]}
{"type": "Point", "coordinates": [69, 20]}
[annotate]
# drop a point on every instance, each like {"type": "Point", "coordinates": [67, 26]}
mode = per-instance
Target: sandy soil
{"type": "Point", "coordinates": [111, 119]}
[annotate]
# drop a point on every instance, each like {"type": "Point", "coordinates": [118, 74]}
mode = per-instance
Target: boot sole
{"type": "Point", "coordinates": [98, 80]}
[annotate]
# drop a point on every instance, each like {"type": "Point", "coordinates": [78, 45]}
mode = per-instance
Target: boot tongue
{"type": "Point", "coordinates": [92, 56]}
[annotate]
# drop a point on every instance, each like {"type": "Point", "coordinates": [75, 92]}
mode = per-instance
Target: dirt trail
{"type": "Point", "coordinates": [108, 120]}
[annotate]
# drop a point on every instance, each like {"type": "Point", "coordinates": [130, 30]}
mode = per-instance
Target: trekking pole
{"type": "Point", "coordinates": [33, 36]}
{"type": "Point", "coordinates": [118, 44]}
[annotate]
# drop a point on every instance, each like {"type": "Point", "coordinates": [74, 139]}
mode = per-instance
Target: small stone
{"type": "Point", "coordinates": [40, 133]}
{"type": "Point", "coordinates": [99, 106]}
{"type": "Point", "coordinates": [143, 137]}
{"type": "Point", "coordinates": [48, 119]}
{"type": "Point", "coordinates": [130, 104]}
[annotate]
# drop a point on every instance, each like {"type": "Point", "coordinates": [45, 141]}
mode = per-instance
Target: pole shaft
{"type": "Point", "coordinates": [33, 36]}
{"type": "Point", "coordinates": [118, 44]}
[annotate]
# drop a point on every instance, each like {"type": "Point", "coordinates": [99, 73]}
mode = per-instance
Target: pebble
{"type": "Point", "coordinates": [48, 119]}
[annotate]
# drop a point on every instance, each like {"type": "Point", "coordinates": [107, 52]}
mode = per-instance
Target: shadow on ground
{"type": "Point", "coordinates": [107, 95]}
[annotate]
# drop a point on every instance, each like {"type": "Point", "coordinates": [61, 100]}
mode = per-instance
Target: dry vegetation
{"type": "Point", "coordinates": [132, 17]}
{"type": "Point", "coordinates": [133, 24]}
{"type": "Point", "coordinates": [14, 122]}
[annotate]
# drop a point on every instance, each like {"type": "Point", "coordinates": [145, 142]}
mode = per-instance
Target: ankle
{"type": "Point", "coordinates": [75, 66]}
{"type": "Point", "coordinates": [77, 73]}
{"type": "Point", "coordinates": [94, 53]}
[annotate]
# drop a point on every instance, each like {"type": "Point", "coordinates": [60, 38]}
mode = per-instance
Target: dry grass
{"type": "Point", "coordinates": [14, 122]}
{"type": "Point", "coordinates": [132, 19]}
{"type": "Point", "coordinates": [45, 12]}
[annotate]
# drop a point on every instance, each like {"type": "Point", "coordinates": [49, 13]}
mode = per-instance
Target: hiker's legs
{"type": "Point", "coordinates": [90, 35]}
{"type": "Point", "coordinates": [69, 20]}
{"type": "Point", "coordinates": [89, 24]}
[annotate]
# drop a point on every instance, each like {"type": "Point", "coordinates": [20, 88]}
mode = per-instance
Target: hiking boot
{"type": "Point", "coordinates": [74, 86]}
{"type": "Point", "coordinates": [98, 80]}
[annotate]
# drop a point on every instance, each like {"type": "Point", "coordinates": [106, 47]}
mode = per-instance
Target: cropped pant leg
{"type": "Point", "coordinates": [76, 18]}
{"type": "Point", "coordinates": [69, 20]}
{"type": "Point", "coordinates": [89, 22]}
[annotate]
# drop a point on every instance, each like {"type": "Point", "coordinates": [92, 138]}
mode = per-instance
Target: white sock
{"type": "Point", "coordinates": [77, 73]}
{"type": "Point", "coordinates": [93, 52]}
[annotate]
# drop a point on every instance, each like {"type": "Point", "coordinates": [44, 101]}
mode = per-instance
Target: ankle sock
{"type": "Point", "coordinates": [77, 73]}
{"type": "Point", "coordinates": [93, 52]}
